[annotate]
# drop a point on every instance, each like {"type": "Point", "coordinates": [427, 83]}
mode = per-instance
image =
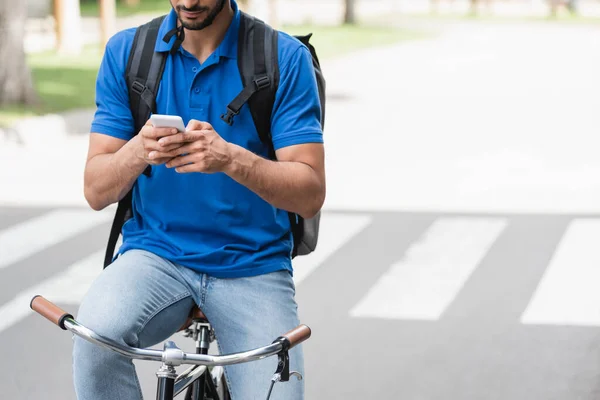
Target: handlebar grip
{"type": "Point", "coordinates": [298, 335]}
{"type": "Point", "coordinates": [50, 311]}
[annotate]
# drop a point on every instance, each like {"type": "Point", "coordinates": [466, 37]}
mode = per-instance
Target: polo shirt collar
{"type": "Point", "coordinates": [227, 48]}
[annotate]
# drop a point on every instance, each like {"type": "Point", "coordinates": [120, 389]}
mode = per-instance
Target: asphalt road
{"type": "Point", "coordinates": [402, 305]}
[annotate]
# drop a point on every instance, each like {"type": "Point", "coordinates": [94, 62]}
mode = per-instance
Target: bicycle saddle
{"type": "Point", "coordinates": [195, 314]}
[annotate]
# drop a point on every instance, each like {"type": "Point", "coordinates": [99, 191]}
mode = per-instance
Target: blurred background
{"type": "Point", "coordinates": [458, 256]}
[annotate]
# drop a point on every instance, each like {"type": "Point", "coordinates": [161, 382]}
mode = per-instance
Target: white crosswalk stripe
{"type": "Point", "coordinates": [419, 286]}
{"type": "Point", "coordinates": [27, 238]}
{"type": "Point", "coordinates": [67, 287]}
{"type": "Point", "coordinates": [334, 231]}
{"type": "Point", "coordinates": [433, 271]}
{"type": "Point", "coordinates": [568, 294]}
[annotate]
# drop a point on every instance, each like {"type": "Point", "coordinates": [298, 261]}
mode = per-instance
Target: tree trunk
{"type": "Point", "coordinates": [69, 33]}
{"type": "Point", "coordinates": [273, 17]}
{"type": "Point", "coordinates": [554, 4]}
{"type": "Point", "coordinates": [474, 6]}
{"type": "Point", "coordinates": [16, 83]}
{"type": "Point", "coordinates": [108, 20]}
{"type": "Point", "coordinates": [349, 12]}
{"type": "Point", "coordinates": [243, 5]}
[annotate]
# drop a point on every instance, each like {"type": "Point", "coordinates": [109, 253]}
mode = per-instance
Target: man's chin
{"type": "Point", "coordinates": [193, 25]}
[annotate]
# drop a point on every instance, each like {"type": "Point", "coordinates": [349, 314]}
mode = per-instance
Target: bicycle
{"type": "Point", "coordinates": [205, 379]}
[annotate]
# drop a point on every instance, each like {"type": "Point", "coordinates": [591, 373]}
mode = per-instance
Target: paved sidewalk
{"type": "Point", "coordinates": [489, 117]}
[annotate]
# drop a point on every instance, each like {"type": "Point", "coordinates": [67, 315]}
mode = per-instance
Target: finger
{"type": "Point", "coordinates": [180, 161]}
{"type": "Point", "coordinates": [167, 149]}
{"type": "Point", "coordinates": [146, 130]}
{"type": "Point", "coordinates": [187, 137]}
{"type": "Point", "coordinates": [187, 169]}
{"type": "Point", "coordinates": [159, 161]}
{"type": "Point", "coordinates": [152, 145]}
{"type": "Point", "coordinates": [180, 138]}
{"type": "Point", "coordinates": [178, 151]}
{"type": "Point", "coordinates": [195, 136]}
{"type": "Point", "coordinates": [195, 125]}
{"type": "Point", "coordinates": [156, 133]}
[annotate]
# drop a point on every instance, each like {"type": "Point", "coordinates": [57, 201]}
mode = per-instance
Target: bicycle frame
{"type": "Point", "coordinates": [172, 356]}
{"type": "Point", "coordinates": [199, 377]}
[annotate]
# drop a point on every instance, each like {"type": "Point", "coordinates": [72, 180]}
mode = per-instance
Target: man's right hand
{"type": "Point", "coordinates": [148, 142]}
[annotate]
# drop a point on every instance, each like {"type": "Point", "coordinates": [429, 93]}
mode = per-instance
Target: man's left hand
{"type": "Point", "coordinates": [202, 150]}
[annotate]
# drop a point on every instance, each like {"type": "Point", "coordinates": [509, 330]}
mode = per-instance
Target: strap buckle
{"type": "Point", "coordinates": [138, 87]}
{"type": "Point", "coordinates": [262, 82]}
{"type": "Point", "coordinates": [228, 117]}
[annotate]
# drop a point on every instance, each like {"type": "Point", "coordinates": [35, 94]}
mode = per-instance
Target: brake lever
{"type": "Point", "coordinates": [296, 374]}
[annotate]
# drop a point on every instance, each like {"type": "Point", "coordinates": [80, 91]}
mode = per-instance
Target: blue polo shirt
{"type": "Point", "coordinates": [209, 222]}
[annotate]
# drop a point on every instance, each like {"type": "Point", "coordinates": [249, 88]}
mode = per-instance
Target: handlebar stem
{"type": "Point", "coordinates": [173, 355]}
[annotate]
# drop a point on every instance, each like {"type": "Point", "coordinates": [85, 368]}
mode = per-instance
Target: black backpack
{"type": "Point", "coordinates": [259, 69]}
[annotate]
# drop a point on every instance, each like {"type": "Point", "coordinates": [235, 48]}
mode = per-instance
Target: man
{"type": "Point", "coordinates": [210, 224]}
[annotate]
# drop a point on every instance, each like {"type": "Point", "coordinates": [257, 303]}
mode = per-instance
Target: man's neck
{"type": "Point", "coordinates": [204, 42]}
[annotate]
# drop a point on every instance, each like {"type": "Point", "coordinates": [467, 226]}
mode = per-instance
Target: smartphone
{"type": "Point", "coordinates": [167, 121]}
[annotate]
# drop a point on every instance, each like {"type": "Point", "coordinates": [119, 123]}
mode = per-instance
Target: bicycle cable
{"type": "Point", "coordinates": [270, 390]}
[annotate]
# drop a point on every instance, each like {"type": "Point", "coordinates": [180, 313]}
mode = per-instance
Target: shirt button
{"type": "Point", "coordinates": [195, 69]}
{"type": "Point", "coordinates": [197, 90]}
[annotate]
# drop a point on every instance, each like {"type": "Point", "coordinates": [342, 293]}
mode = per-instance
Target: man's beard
{"type": "Point", "coordinates": [199, 25]}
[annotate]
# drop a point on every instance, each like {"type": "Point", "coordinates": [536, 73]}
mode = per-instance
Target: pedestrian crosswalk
{"type": "Point", "coordinates": [68, 287]}
{"type": "Point", "coordinates": [335, 231]}
{"type": "Point", "coordinates": [569, 292]}
{"type": "Point", "coordinates": [420, 284]}
{"type": "Point", "coordinates": [18, 242]}
{"type": "Point", "coordinates": [427, 278]}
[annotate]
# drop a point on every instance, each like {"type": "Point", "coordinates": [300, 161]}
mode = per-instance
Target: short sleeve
{"type": "Point", "coordinates": [296, 115]}
{"type": "Point", "coordinates": [113, 116]}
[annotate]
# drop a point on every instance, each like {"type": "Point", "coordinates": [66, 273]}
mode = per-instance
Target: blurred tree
{"type": "Point", "coordinates": [131, 3]}
{"type": "Point", "coordinates": [67, 14]}
{"type": "Point", "coordinates": [556, 5]}
{"type": "Point", "coordinates": [349, 12]}
{"type": "Point", "coordinates": [273, 17]}
{"type": "Point", "coordinates": [16, 83]}
{"type": "Point", "coordinates": [474, 6]}
{"type": "Point", "coordinates": [108, 20]}
{"type": "Point", "coordinates": [263, 9]}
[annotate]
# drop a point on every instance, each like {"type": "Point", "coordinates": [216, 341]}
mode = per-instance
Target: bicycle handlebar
{"type": "Point", "coordinates": [171, 355]}
{"type": "Point", "coordinates": [50, 311]}
{"type": "Point", "coordinates": [297, 335]}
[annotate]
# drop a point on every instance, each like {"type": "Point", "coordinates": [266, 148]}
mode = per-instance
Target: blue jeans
{"type": "Point", "coordinates": [141, 300]}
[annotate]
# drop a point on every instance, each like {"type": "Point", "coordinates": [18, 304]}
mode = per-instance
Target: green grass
{"type": "Point", "coordinates": [65, 83]}
{"type": "Point", "coordinates": [62, 83]}
{"type": "Point", "coordinates": [331, 41]}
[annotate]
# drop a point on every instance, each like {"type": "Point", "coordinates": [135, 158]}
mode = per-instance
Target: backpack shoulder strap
{"type": "Point", "coordinates": [259, 69]}
{"type": "Point", "coordinates": [258, 63]}
{"type": "Point", "coordinates": [143, 74]}
{"type": "Point", "coordinates": [144, 71]}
